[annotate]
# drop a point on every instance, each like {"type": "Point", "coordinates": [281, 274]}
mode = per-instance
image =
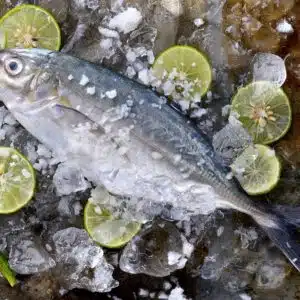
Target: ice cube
{"type": "Point", "coordinates": [283, 26]}
{"type": "Point", "coordinates": [3, 113]}
{"type": "Point", "coordinates": [83, 263]}
{"type": "Point", "coordinates": [145, 36]}
{"type": "Point", "coordinates": [271, 274]}
{"type": "Point", "coordinates": [230, 142]}
{"type": "Point", "coordinates": [210, 10]}
{"type": "Point", "coordinates": [269, 67]}
{"type": "Point", "coordinates": [28, 256]}
{"type": "Point", "coordinates": [236, 279]}
{"type": "Point", "coordinates": [175, 7]}
{"type": "Point", "coordinates": [126, 21]}
{"type": "Point", "coordinates": [157, 251]}
{"type": "Point", "coordinates": [68, 180]}
{"type": "Point", "coordinates": [59, 8]}
{"type": "Point", "coordinates": [69, 206]}
{"type": "Point", "coordinates": [221, 49]}
{"type": "Point", "coordinates": [177, 294]}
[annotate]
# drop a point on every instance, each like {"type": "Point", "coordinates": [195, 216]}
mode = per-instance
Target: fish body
{"type": "Point", "coordinates": [125, 137]}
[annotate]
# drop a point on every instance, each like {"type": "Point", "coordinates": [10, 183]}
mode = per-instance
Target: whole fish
{"type": "Point", "coordinates": [124, 136]}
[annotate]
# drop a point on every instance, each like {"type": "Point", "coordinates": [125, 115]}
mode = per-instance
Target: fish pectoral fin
{"type": "Point", "coordinates": [76, 118]}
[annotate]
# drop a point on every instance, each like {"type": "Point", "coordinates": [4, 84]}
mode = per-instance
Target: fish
{"type": "Point", "coordinates": [127, 138]}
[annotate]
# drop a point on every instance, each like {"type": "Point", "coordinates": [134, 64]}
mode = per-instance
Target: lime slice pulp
{"type": "Point", "coordinates": [264, 110]}
{"type": "Point", "coordinates": [30, 26]}
{"type": "Point", "coordinates": [17, 180]}
{"type": "Point", "coordinates": [185, 73]}
{"type": "Point", "coordinates": [2, 39]}
{"type": "Point", "coordinates": [6, 271]}
{"type": "Point", "coordinates": [257, 169]}
{"type": "Point", "coordinates": [105, 229]}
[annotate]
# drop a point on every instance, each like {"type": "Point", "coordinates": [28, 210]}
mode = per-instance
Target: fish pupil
{"type": "Point", "coordinates": [13, 66]}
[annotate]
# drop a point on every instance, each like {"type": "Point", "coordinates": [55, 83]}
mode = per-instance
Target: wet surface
{"type": "Point", "coordinates": [233, 258]}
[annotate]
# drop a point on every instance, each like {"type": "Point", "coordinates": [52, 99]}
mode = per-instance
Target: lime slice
{"type": "Point", "coordinates": [105, 229]}
{"type": "Point", "coordinates": [30, 26]}
{"type": "Point", "coordinates": [6, 271]}
{"type": "Point", "coordinates": [17, 180]}
{"type": "Point", "coordinates": [264, 109]}
{"type": "Point", "coordinates": [2, 39]}
{"type": "Point", "coordinates": [257, 169]}
{"type": "Point", "coordinates": [184, 72]}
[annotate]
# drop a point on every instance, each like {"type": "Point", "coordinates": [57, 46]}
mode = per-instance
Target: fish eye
{"type": "Point", "coordinates": [13, 66]}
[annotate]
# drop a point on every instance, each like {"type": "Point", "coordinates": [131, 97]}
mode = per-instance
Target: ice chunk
{"type": "Point", "coordinates": [126, 21]}
{"type": "Point", "coordinates": [247, 236]}
{"type": "Point", "coordinates": [198, 22]}
{"type": "Point", "coordinates": [271, 274]}
{"type": "Point", "coordinates": [43, 151]}
{"type": "Point", "coordinates": [283, 26]}
{"type": "Point", "coordinates": [143, 293]}
{"type": "Point", "coordinates": [144, 36]}
{"type": "Point", "coordinates": [68, 180]}
{"type": "Point", "coordinates": [230, 142]}
{"type": "Point", "coordinates": [144, 76]}
{"type": "Point", "coordinates": [111, 94]}
{"type": "Point", "coordinates": [3, 113]}
{"type": "Point", "coordinates": [83, 263]}
{"type": "Point", "coordinates": [221, 251]}
{"type": "Point", "coordinates": [221, 49]}
{"type": "Point", "coordinates": [10, 120]}
{"type": "Point", "coordinates": [69, 206]}
{"type": "Point", "coordinates": [210, 10]}
{"type": "Point", "coordinates": [235, 279]}
{"type": "Point", "coordinates": [28, 256]}
{"type": "Point", "coordinates": [59, 8]}
{"type": "Point", "coordinates": [157, 251]}
{"type": "Point", "coordinates": [269, 67]}
{"type": "Point", "coordinates": [166, 25]}
{"type": "Point", "coordinates": [245, 297]}
{"type": "Point", "coordinates": [173, 6]}
{"type": "Point", "coordinates": [177, 294]}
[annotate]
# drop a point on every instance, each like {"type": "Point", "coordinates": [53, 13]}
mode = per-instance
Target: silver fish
{"type": "Point", "coordinates": [126, 138]}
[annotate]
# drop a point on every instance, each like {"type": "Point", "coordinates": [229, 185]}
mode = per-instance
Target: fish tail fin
{"type": "Point", "coordinates": [286, 234]}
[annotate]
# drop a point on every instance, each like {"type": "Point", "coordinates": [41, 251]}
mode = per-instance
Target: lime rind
{"type": "Point", "coordinates": [191, 62]}
{"type": "Point", "coordinates": [17, 180]}
{"type": "Point", "coordinates": [265, 99]}
{"type": "Point", "coordinates": [29, 15]}
{"type": "Point", "coordinates": [6, 271]}
{"type": "Point", "coordinates": [107, 231]}
{"type": "Point", "coordinates": [257, 169]}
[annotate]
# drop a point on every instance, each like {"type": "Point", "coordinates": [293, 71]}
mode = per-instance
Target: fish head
{"type": "Point", "coordinates": [25, 79]}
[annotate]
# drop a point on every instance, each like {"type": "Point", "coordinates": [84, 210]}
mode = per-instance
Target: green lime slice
{"type": "Point", "coordinates": [30, 26]}
{"type": "Point", "coordinates": [2, 39]}
{"type": "Point", "coordinates": [17, 180]}
{"type": "Point", "coordinates": [105, 229]}
{"type": "Point", "coordinates": [264, 110]}
{"type": "Point", "coordinates": [185, 73]}
{"type": "Point", "coordinates": [6, 271]}
{"type": "Point", "coordinates": [257, 169]}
